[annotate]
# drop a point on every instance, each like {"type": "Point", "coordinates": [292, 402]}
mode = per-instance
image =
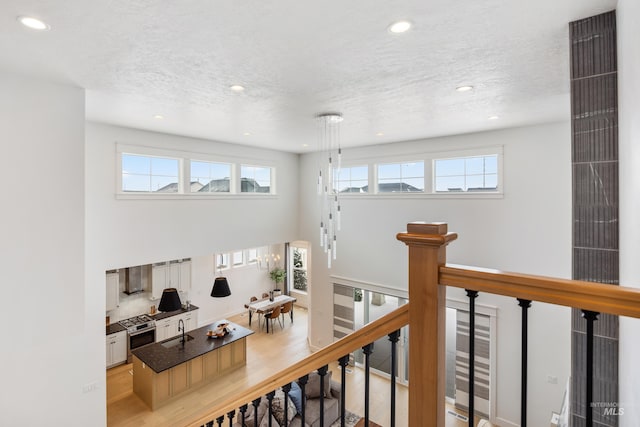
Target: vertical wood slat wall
{"type": "Point", "coordinates": [594, 110]}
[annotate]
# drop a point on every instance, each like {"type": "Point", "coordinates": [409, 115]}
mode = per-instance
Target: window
{"type": "Point", "coordinates": [353, 179]}
{"type": "Point", "coordinates": [238, 258]}
{"type": "Point", "coordinates": [478, 173]}
{"type": "Point", "coordinates": [222, 261]}
{"type": "Point", "coordinates": [210, 177]}
{"type": "Point", "coordinates": [401, 177]}
{"type": "Point", "coordinates": [255, 179]}
{"type": "Point", "coordinates": [252, 256]}
{"type": "Point", "coordinates": [299, 269]}
{"type": "Point", "coordinates": [150, 174]}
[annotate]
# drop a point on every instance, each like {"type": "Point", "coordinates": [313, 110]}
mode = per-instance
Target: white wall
{"type": "Point", "coordinates": [50, 345]}
{"type": "Point", "coordinates": [628, 17]}
{"type": "Point", "coordinates": [529, 231]}
{"type": "Point", "coordinates": [121, 233]}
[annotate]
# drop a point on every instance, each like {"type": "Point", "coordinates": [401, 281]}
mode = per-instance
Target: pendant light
{"type": "Point", "coordinates": [170, 300]}
{"type": "Point", "coordinates": [220, 285]}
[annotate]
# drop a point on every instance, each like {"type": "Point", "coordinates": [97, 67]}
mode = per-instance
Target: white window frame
{"type": "Point", "coordinates": [232, 178]}
{"type": "Point", "coordinates": [401, 162]}
{"type": "Point", "coordinates": [428, 158]}
{"type": "Point", "coordinates": [359, 165]}
{"type": "Point", "coordinates": [222, 261]}
{"type": "Point", "coordinates": [234, 261]}
{"type": "Point", "coordinates": [184, 163]}
{"type": "Point", "coordinates": [272, 178]}
{"type": "Point", "coordinates": [252, 256]}
{"type": "Point", "coordinates": [465, 175]}
{"type": "Point", "coordinates": [148, 153]}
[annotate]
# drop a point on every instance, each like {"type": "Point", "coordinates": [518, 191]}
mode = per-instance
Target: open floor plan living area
{"type": "Point", "coordinates": [286, 213]}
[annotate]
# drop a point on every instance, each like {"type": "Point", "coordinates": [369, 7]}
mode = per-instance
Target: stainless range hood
{"type": "Point", "coordinates": [135, 279]}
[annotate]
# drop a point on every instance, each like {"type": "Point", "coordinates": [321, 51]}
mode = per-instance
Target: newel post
{"type": "Point", "coordinates": [427, 309]}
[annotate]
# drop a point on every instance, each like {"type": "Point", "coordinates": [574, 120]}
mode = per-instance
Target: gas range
{"type": "Point", "coordinates": [138, 324]}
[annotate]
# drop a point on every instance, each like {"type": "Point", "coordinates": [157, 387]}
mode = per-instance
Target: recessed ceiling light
{"type": "Point", "coordinates": [33, 23]}
{"type": "Point", "coordinates": [305, 145]}
{"type": "Point", "coordinates": [379, 134]}
{"type": "Point", "coordinates": [399, 27]}
{"type": "Point", "coordinates": [464, 88]}
{"type": "Point", "coordinates": [236, 88]}
{"type": "Point", "coordinates": [247, 133]}
{"type": "Point", "coordinates": [494, 117]}
{"type": "Point", "coordinates": [158, 116]}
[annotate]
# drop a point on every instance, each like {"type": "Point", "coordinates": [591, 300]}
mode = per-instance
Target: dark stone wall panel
{"type": "Point", "coordinates": [594, 124]}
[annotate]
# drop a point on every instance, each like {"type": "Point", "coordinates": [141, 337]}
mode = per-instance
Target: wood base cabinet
{"type": "Point", "coordinates": [157, 389]}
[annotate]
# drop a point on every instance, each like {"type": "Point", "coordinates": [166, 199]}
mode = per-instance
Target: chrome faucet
{"type": "Point", "coordinates": [181, 322]}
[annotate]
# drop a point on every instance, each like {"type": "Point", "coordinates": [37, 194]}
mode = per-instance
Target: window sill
{"type": "Point", "coordinates": [183, 196]}
{"type": "Point", "coordinates": [416, 195]}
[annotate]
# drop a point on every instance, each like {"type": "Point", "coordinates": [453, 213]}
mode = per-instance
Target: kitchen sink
{"type": "Point", "coordinates": [176, 341]}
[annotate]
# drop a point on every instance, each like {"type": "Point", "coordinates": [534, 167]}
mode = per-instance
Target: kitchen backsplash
{"type": "Point", "coordinates": [135, 304]}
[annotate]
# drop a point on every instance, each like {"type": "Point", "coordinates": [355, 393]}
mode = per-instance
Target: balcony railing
{"type": "Point", "coordinates": [429, 276]}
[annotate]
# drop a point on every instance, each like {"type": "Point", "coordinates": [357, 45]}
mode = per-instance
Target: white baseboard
{"type": "Point", "coordinates": [506, 423]}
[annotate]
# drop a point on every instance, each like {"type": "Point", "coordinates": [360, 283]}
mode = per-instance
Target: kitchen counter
{"type": "Point", "coordinates": [164, 315]}
{"type": "Point", "coordinates": [166, 370]}
{"type": "Point", "coordinates": [113, 328]}
{"type": "Point", "coordinates": [159, 357]}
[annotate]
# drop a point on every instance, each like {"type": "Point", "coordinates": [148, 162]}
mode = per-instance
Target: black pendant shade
{"type": "Point", "coordinates": [220, 288]}
{"type": "Point", "coordinates": [170, 300]}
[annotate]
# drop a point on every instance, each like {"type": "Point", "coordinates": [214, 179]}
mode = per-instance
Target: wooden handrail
{"type": "Point", "coordinates": [618, 300]}
{"type": "Point", "coordinates": [355, 340]}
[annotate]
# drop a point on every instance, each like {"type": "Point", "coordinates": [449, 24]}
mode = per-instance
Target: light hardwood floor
{"type": "Point", "coordinates": [266, 354]}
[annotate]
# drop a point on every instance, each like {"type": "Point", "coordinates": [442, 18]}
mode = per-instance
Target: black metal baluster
{"type": "Point", "coordinates": [393, 337]}
{"type": "Point", "coordinates": [367, 350]}
{"type": "Point", "coordinates": [220, 420]}
{"type": "Point", "coordinates": [230, 415]}
{"type": "Point", "coordinates": [343, 361]}
{"type": "Point", "coordinates": [590, 316]}
{"type": "Point", "coordinates": [270, 396]}
{"type": "Point", "coordinates": [302, 382]}
{"type": "Point", "coordinates": [525, 304]}
{"type": "Point", "coordinates": [243, 413]}
{"type": "Point", "coordinates": [210, 424]}
{"type": "Point", "coordinates": [472, 353]}
{"type": "Point", "coordinates": [322, 372]}
{"type": "Point", "coordinates": [255, 403]}
{"type": "Point", "coordinates": [286, 389]}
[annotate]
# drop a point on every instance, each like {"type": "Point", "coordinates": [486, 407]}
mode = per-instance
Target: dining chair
{"type": "Point", "coordinates": [265, 295]}
{"type": "Point", "coordinates": [253, 299]}
{"type": "Point", "coordinates": [273, 314]}
{"type": "Point", "coordinates": [287, 307]}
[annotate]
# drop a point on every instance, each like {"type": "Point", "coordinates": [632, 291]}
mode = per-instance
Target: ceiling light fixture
{"type": "Point", "coordinates": [493, 117]}
{"type": "Point", "coordinates": [33, 23]}
{"type": "Point", "coordinates": [464, 88]}
{"type": "Point", "coordinates": [158, 116]}
{"type": "Point", "coordinates": [236, 88]}
{"type": "Point", "coordinates": [328, 172]}
{"type": "Point", "coordinates": [400, 27]}
{"type": "Point", "coordinates": [379, 134]}
{"type": "Point", "coordinates": [247, 134]}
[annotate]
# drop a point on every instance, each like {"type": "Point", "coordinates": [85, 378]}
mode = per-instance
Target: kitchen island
{"type": "Point", "coordinates": [168, 369]}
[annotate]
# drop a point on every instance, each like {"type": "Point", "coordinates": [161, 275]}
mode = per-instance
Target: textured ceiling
{"type": "Point", "coordinates": [296, 58]}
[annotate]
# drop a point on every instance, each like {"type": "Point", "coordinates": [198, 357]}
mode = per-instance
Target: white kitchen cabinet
{"type": "Point", "coordinates": [190, 319]}
{"type": "Point", "coordinates": [116, 348]}
{"type": "Point", "coordinates": [166, 328]}
{"type": "Point", "coordinates": [173, 274]}
{"type": "Point", "coordinates": [185, 276]}
{"type": "Point", "coordinates": [113, 290]}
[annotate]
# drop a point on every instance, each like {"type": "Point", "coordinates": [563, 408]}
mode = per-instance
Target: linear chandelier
{"type": "Point", "coordinates": [328, 171]}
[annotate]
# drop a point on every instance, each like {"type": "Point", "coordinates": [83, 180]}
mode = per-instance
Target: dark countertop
{"type": "Point", "coordinates": [164, 315]}
{"type": "Point", "coordinates": [112, 328]}
{"type": "Point", "coordinates": [160, 358]}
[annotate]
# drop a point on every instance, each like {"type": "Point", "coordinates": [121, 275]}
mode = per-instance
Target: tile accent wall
{"type": "Point", "coordinates": [594, 110]}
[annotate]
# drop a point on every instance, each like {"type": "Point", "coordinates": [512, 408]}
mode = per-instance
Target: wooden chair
{"type": "Point", "coordinates": [274, 314]}
{"type": "Point", "coordinates": [265, 295]}
{"type": "Point", "coordinates": [253, 299]}
{"type": "Point", "coordinates": [287, 307]}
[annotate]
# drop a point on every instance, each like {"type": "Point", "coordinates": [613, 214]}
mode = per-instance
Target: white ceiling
{"type": "Point", "coordinates": [297, 58]}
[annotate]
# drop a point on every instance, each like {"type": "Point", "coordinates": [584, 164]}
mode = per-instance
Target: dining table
{"type": "Point", "coordinates": [266, 305]}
